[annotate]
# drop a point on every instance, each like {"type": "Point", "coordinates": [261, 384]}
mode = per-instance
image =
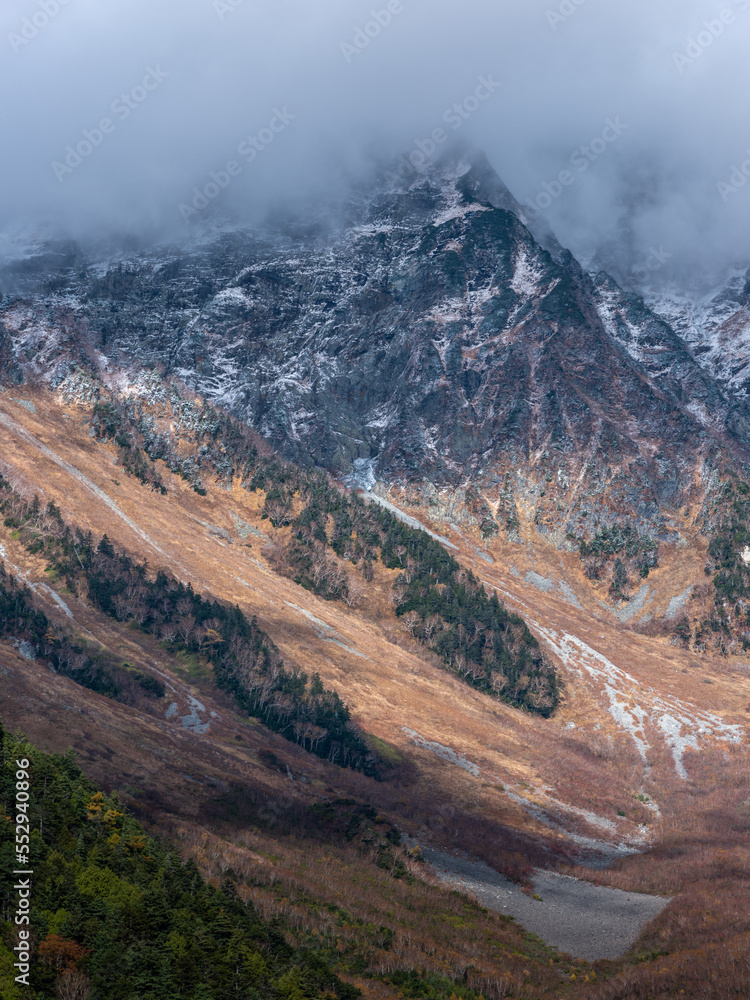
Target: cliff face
{"type": "Point", "coordinates": [716, 326]}
{"type": "Point", "coordinates": [431, 338]}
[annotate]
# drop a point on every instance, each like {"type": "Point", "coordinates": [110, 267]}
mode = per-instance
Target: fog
{"type": "Point", "coordinates": [626, 124]}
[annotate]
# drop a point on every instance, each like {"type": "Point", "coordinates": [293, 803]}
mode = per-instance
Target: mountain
{"type": "Point", "coordinates": [715, 325]}
{"type": "Point", "coordinates": [428, 337]}
{"type": "Point", "coordinates": [122, 579]}
{"type": "Point", "coordinates": [371, 554]}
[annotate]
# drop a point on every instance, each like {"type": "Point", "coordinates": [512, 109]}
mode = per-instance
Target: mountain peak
{"type": "Point", "coordinates": [433, 337]}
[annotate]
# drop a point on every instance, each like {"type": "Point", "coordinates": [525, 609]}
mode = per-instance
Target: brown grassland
{"type": "Point", "coordinates": [237, 796]}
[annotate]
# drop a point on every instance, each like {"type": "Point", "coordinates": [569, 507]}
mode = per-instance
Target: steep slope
{"type": "Point", "coordinates": [640, 733]}
{"type": "Point", "coordinates": [430, 337]}
{"type": "Point", "coordinates": [198, 539]}
{"type": "Point", "coordinates": [716, 326]}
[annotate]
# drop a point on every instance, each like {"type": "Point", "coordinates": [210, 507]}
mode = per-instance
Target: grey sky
{"type": "Point", "coordinates": [219, 71]}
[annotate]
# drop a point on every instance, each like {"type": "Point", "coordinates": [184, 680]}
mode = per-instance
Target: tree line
{"type": "Point", "coordinates": [244, 659]}
{"type": "Point", "coordinates": [442, 604]}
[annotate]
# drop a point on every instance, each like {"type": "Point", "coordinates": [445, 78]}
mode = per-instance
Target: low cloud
{"type": "Point", "coordinates": [364, 82]}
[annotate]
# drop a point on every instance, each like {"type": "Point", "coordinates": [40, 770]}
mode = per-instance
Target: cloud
{"type": "Point", "coordinates": [360, 81]}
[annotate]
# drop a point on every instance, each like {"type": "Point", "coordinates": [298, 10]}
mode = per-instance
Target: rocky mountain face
{"type": "Point", "coordinates": [431, 339]}
{"type": "Point", "coordinates": [716, 326]}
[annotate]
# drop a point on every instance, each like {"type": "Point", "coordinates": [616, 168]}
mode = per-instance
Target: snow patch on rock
{"type": "Point", "coordinates": [408, 519]}
{"type": "Point", "coordinates": [527, 275]}
{"type": "Point", "coordinates": [57, 599]}
{"type": "Point", "coordinates": [634, 606]}
{"type": "Point", "coordinates": [682, 725]}
{"type": "Point", "coordinates": [540, 582]}
{"type": "Point", "coordinates": [459, 212]}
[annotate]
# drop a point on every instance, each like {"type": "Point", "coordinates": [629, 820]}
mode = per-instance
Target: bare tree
{"type": "Point", "coordinates": [475, 671]}
{"type": "Point", "coordinates": [168, 631]}
{"type": "Point", "coordinates": [278, 511]}
{"type": "Point", "coordinates": [410, 622]}
{"type": "Point", "coordinates": [72, 985]}
{"type": "Point", "coordinates": [517, 631]}
{"type": "Point", "coordinates": [185, 625]}
{"type": "Point", "coordinates": [139, 612]}
{"type": "Point", "coordinates": [468, 668]}
{"type": "Point", "coordinates": [135, 590]}
{"type": "Point", "coordinates": [337, 581]}
{"type": "Point", "coordinates": [317, 733]}
{"type": "Point", "coordinates": [397, 596]}
{"type": "Point", "coordinates": [276, 554]}
{"type": "Point", "coordinates": [498, 681]}
{"type": "Point", "coordinates": [320, 569]}
{"type": "Point", "coordinates": [540, 693]}
{"type": "Point", "coordinates": [122, 607]}
{"type": "Point", "coordinates": [284, 707]}
{"type": "Point", "coordinates": [432, 626]}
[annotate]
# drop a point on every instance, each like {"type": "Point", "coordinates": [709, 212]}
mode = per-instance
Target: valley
{"type": "Point", "coordinates": [375, 504]}
{"type": "Point", "coordinates": [638, 781]}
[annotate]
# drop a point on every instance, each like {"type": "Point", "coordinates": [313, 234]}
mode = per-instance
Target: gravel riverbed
{"type": "Point", "coordinates": [584, 920]}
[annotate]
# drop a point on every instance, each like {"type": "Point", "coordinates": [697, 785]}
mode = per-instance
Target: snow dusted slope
{"type": "Point", "coordinates": [429, 334]}
{"type": "Point", "coordinates": [681, 725]}
{"type": "Point", "coordinates": [715, 326]}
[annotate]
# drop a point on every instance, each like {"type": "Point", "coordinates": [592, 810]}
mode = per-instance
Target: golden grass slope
{"type": "Point", "coordinates": [481, 776]}
{"type": "Point", "coordinates": [390, 684]}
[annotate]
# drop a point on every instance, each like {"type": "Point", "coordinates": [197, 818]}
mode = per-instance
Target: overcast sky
{"type": "Point", "coordinates": [317, 89]}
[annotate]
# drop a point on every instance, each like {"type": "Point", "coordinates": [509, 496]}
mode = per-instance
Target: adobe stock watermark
{"type": "Point", "coordinates": [22, 873]}
{"type": "Point", "coordinates": [249, 149]}
{"type": "Point", "coordinates": [121, 108]}
{"type": "Point", "coordinates": [370, 30]}
{"type": "Point", "coordinates": [46, 11]}
{"type": "Point", "coordinates": [705, 38]}
{"type": "Point", "coordinates": [581, 159]}
{"type": "Point", "coordinates": [563, 13]}
{"type": "Point", "coordinates": [655, 261]}
{"type": "Point", "coordinates": [224, 7]}
{"type": "Point", "coordinates": [455, 116]}
{"type": "Point", "coordinates": [738, 178]}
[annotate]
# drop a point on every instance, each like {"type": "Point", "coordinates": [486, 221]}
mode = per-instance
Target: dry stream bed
{"type": "Point", "coordinates": [586, 921]}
